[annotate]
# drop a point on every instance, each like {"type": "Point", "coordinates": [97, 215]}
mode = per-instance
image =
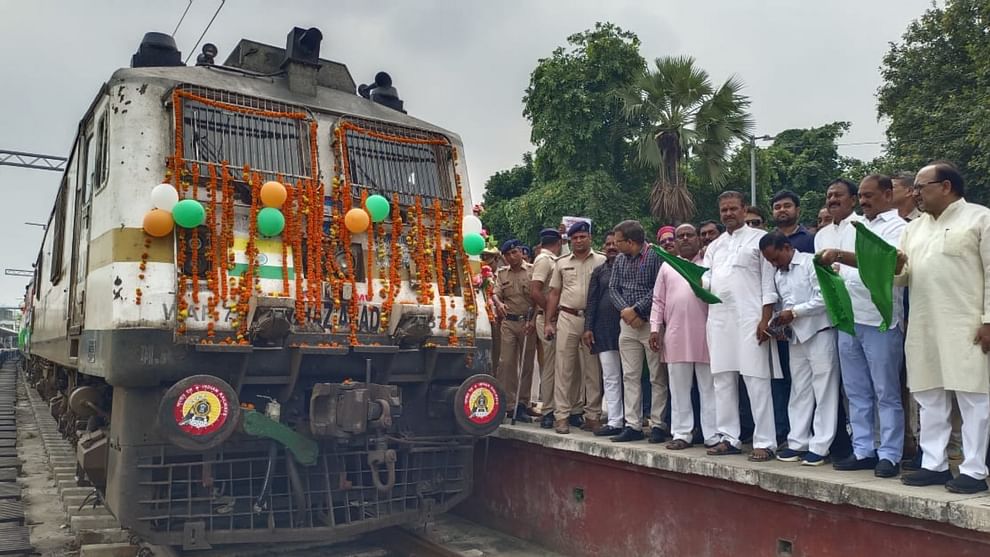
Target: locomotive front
{"type": "Point", "coordinates": [298, 352]}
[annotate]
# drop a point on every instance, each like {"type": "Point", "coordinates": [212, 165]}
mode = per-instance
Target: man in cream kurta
{"type": "Point", "coordinates": [946, 266]}
{"type": "Point", "coordinates": [737, 329]}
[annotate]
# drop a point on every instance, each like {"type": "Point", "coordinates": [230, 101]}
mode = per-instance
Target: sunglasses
{"type": "Point", "coordinates": [754, 222]}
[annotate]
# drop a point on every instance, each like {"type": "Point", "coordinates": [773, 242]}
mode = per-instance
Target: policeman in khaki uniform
{"type": "Point", "coordinates": [539, 289]}
{"type": "Point", "coordinates": [514, 308]}
{"type": "Point", "coordinates": [576, 365]}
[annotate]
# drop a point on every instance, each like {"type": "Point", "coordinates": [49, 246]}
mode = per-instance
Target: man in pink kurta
{"type": "Point", "coordinates": [677, 331]}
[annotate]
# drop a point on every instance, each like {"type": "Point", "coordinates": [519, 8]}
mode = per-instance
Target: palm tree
{"type": "Point", "coordinates": [682, 116]}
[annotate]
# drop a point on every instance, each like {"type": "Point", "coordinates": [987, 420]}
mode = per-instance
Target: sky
{"type": "Point", "coordinates": [463, 65]}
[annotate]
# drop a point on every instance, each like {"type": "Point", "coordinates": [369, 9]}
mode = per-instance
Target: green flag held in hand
{"type": "Point", "coordinates": [877, 261]}
{"type": "Point", "coordinates": [838, 304]}
{"type": "Point", "coordinates": [691, 273]}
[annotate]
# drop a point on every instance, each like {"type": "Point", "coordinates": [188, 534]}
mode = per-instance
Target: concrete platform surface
{"type": "Point", "coordinates": [822, 483]}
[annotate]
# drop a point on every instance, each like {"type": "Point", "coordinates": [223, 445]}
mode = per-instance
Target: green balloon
{"type": "Point", "coordinates": [377, 207]}
{"type": "Point", "coordinates": [188, 213]}
{"type": "Point", "coordinates": [474, 244]}
{"type": "Point", "coordinates": [271, 222]}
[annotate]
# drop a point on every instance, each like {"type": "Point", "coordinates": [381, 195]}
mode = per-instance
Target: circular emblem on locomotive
{"type": "Point", "coordinates": [482, 403]}
{"type": "Point", "coordinates": [201, 409]}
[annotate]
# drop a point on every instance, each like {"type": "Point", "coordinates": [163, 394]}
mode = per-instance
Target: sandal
{"type": "Point", "coordinates": [723, 448]}
{"type": "Point", "coordinates": [761, 455]}
{"type": "Point", "coordinates": [678, 444]}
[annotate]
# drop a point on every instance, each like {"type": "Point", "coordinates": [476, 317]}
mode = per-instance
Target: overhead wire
{"type": "Point", "coordinates": [203, 34]}
{"type": "Point", "coordinates": [181, 19]}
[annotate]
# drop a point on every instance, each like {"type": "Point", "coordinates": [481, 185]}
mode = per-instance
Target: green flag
{"type": "Point", "coordinates": [877, 261]}
{"type": "Point", "coordinates": [691, 273]}
{"type": "Point", "coordinates": [838, 304]}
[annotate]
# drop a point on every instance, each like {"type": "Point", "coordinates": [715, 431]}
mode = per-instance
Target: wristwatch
{"type": "Point", "coordinates": [794, 313]}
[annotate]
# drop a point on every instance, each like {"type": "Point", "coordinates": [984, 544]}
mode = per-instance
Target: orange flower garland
{"type": "Point", "coordinates": [194, 242]}
{"type": "Point", "coordinates": [438, 245]}
{"type": "Point", "coordinates": [395, 260]}
{"type": "Point", "coordinates": [370, 258]}
{"type": "Point", "coordinates": [294, 231]}
{"type": "Point", "coordinates": [211, 278]}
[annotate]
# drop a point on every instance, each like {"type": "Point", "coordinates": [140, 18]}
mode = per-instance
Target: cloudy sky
{"type": "Point", "coordinates": [461, 64]}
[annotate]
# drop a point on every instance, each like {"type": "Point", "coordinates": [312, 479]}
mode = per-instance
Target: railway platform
{"type": "Point", "coordinates": [583, 495]}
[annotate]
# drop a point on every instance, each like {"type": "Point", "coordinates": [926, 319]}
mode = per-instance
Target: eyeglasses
{"type": "Point", "coordinates": [922, 185]}
{"type": "Point", "coordinates": [754, 222]}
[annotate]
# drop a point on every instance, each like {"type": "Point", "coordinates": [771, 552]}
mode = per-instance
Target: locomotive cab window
{"type": "Point", "coordinates": [401, 160]}
{"type": "Point", "coordinates": [58, 237]}
{"type": "Point", "coordinates": [212, 133]}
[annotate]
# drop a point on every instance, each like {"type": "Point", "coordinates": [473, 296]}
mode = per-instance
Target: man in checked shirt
{"type": "Point", "coordinates": [631, 290]}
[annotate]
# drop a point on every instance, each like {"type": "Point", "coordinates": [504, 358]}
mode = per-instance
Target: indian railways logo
{"type": "Point", "coordinates": [481, 403]}
{"type": "Point", "coordinates": [201, 409]}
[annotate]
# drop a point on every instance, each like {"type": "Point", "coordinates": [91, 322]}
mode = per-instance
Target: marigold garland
{"type": "Point", "coordinates": [211, 278]}
{"type": "Point", "coordinates": [194, 242]}
{"type": "Point", "coordinates": [294, 230]}
{"type": "Point", "coordinates": [438, 219]}
{"type": "Point", "coordinates": [370, 268]}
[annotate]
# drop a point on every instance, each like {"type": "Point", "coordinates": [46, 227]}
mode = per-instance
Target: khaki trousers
{"type": "Point", "coordinates": [547, 369]}
{"type": "Point", "coordinates": [576, 367]}
{"type": "Point", "coordinates": [634, 345]}
{"type": "Point", "coordinates": [510, 355]}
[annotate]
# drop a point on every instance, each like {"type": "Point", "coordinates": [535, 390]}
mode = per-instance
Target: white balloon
{"type": "Point", "coordinates": [472, 225]}
{"type": "Point", "coordinates": [164, 197]}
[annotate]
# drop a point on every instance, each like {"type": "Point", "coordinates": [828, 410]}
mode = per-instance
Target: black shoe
{"type": "Point", "coordinates": [520, 418]}
{"type": "Point", "coordinates": [628, 434]}
{"type": "Point", "coordinates": [886, 469]}
{"type": "Point", "coordinates": [547, 421]}
{"type": "Point", "coordinates": [521, 415]}
{"type": "Point", "coordinates": [575, 420]}
{"type": "Point", "coordinates": [608, 431]}
{"type": "Point", "coordinates": [658, 435]}
{"type": "Point", "coordinates": [925, 477]}
{"type": "Point", "coordinates": [853, 463]}
{"type": "Point", "coordinates": [914, 463]}
{"type": "Point", "coordinates": [966, 484]}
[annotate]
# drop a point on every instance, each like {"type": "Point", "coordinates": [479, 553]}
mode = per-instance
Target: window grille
{"type": "Point", "coordinates": [272, 145]}
{"type": "Point", "coordinates": [389, 160]}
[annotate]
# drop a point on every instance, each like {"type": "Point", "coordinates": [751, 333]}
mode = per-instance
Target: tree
{"type": "Point", "coordinates": [571, 102]}
{"type": "Point", "coordinates": [684, 116]}
{"type": "Point", "coordinates": [801, 160]}
{"type": "Point", "coordinates": [935, 93]}
{"type": "Point", "coordinates": [595, 195]}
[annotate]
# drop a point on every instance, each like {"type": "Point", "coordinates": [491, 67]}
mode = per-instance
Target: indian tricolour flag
{"type": "Point", "coordinates": [269, 259]}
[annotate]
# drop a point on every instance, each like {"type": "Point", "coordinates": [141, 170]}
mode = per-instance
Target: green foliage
{"type": "Point", "coordinates": [934, 93]}
{"type": "Point", "coordinates": [595, 195]}
{"type": "Point", "coordinates": [801, 160]}
{"type": "Point", "coordinates": [509, 184]}
{"type": "Point", "coordinates": [571, 102]}
{"type": "Point", "coordinates": [683, 117]}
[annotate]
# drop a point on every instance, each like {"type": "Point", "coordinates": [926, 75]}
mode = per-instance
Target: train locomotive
{"type": "Point", "coordinates": [291, 347]}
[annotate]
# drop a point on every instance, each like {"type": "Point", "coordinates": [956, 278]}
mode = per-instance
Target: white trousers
{"type": "Point", "coordinates": [727, 409]}
{"type": "Point", "coordinates": [612, 385]}
{"type": "Point", "coordinates": [814, 401]}
{"type": "Point", "coordinates": [936, 427]}
{"type": "Point", "coordinates": [681, 409]}
{"type": "Point", "coordinates": [634, 345]}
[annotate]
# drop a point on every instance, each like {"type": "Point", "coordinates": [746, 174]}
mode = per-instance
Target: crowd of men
{"type": "Point", "coordinates": [751, 353]}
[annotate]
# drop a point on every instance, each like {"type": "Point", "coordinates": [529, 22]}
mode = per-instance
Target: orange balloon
{"type": "Point", "coordinates": [158, 223]}
{"type": "Point", "coordinates": [357, 220]}
{"type": "Point", "coordinates": [273, 194]}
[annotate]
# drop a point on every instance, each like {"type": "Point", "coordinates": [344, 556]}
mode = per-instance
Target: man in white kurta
{"type": "Point", "coordinates": [736, 329]}
{"type": "Point", "coordinates": [947, 270]}
{"type": "Point", "coordinates": [814, 363]}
